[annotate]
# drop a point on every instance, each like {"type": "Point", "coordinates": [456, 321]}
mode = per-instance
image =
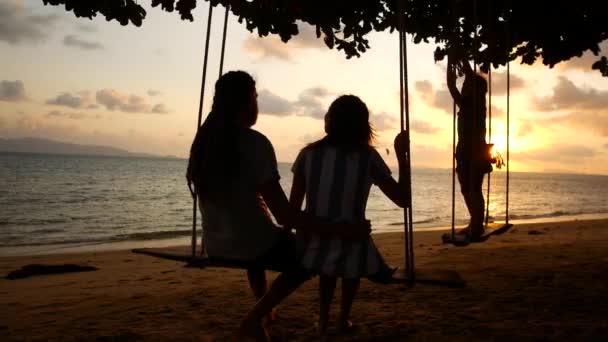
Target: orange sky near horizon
{"type": "Point", "coordinates": [96, 82]}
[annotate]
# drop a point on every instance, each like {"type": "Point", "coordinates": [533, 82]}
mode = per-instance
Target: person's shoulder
{"type": "Point", "coordinates": [370, 150]}
{"type": "Point", "coordinates": [256, 137]}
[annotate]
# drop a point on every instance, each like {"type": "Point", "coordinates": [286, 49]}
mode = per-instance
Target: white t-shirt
{"type": "Point", "coordinates": [337, 184]}
{"type": "Point", "coordinates": [240, 227]}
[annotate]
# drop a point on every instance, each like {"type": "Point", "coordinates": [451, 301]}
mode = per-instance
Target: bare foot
{"type": "Point", "coordinates": [477, 231]}
{"type": "Point", "coordinates": [464, 231]}
{"type": "Point", "coordinates": [253, 330]}
{"type": "Point", "coordinates": [347, 327]}
{"type": "Point", "coordinates": [273, 315]}
{"type": "Point", "coordinates": [270, 318]}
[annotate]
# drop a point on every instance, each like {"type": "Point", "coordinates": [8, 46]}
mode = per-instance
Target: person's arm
{"type": "Point", "coordinates": [393, 190]}
{"type": "Point", "coordinates": [298, 190]}
{"type": "Point", "coordinates": [288, 215]}
{"type": "Point", "coordinates": [195, 151]}
{"type": "Point", "coordinates": [451, 81]}
{"type": "Point", "coordinates": [466, 67]}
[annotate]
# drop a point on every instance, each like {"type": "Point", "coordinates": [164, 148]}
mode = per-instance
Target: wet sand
{"type": "Point", "coordinates": [545, 281]}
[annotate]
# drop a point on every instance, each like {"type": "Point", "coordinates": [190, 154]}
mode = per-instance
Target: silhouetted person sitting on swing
{"type": "Point", "coordinates": [472, 155]}
{"type": "Point", "coordinates": [234, 172]}
{"type": "Point", "coordinates": [335, 175]}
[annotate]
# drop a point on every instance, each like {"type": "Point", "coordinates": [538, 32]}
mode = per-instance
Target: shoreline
{"type": "Point", "coordinates": [539, 281]}
{"type": "Point", "coordinates": [101, 246]}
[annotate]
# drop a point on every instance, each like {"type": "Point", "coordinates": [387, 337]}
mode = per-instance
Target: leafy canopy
{"type": "Point", "coordinates": [490, 31]}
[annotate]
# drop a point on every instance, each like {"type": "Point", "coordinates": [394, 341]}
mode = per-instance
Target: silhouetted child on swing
{"type": "Point", "coordinates": [473, 158]}
{"type": "Point", "coordinates": [335, 175]}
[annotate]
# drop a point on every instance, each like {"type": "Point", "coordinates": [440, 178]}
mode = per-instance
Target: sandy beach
{"type": "Point", "coordinates": [537, 282]}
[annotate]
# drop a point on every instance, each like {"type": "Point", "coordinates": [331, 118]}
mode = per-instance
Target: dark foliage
{"type": "Point", "coordinates": [550, 30]}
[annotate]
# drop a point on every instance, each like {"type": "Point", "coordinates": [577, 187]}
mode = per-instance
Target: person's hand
{"type": "Point", "coordinates": [401, 143]}
{"type": "Point", "coordinates": [189, 182]}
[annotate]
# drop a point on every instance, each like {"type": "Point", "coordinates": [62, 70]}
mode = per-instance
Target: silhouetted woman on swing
{"type": "Point", "coordinates": [472, 155]}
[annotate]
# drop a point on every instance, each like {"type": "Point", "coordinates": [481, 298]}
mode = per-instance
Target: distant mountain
{"type": "Point", "coordinates": [45, 146]}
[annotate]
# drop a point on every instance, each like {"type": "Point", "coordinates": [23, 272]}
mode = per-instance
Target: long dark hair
{"type": "Point", "coordinates": [347, 124]}
{"type": "Point", "coordinates": [213, 155]}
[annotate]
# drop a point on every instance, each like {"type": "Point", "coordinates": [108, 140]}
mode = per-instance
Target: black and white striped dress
{"type": "Point", "coordinates": [337, 187]}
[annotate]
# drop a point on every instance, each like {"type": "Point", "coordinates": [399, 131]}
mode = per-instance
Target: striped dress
{"type": "Point", "coordinates": [337, 187]}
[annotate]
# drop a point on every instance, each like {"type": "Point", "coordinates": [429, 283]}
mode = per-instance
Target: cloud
{"type": "Point", "coordinates": [592, 121]}
{"type": "Point", "coordinates": [266, 47]}
{"type": "Point", "coordinates": [424, 87]}
{"type": "Point", "coordinates": [160, 108]}
{"type": "Point", "coordinates": [440, 99]}
{"type": "Point", "coordinates": [557, 154]}
{"type": "Point", "coordinates": [525, 129]}
{"type": "Point", "coordinates": [79, 100]}
{"type": "Point", "coordinates": [75, 41]}
{"type": "Point", "coordinates": [113, 100]}
{"type": "Point", "coordinates": [18, 26]}
{"type": "Point", "coordinates": [310, 103]}
{"type": "Point", "coordinates": [86, 28]}
{"type": "Point", "coordinates": [72, 116]}
{"type": "Point", "coordinates": [383, 121]}
{"type": "Point", "coordinates": [497, 112]}
{"type": "Point", "coordinates": [273, 104]}
{"type": "Point", "coordinates": [153, 92]}
{"type": "Point", "coordinates": [585, 62]}
{"type": "Point", "coordinates": [273, 47]}
{"type": "Point", "coordinates": [423, 127]}
{"type": "Point", "coordinates": [566, 95]}
{"type": "Point", "coordinates": [12, 91]}
{"type": "Point", "coordinates": [499, 83]}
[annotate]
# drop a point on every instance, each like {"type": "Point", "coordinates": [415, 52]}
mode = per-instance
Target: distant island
{"type": "Point", "coordinates": [46, 146]}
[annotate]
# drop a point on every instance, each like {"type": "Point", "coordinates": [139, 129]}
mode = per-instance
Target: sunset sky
{"type": "Point", "coordinates": [137, 88]}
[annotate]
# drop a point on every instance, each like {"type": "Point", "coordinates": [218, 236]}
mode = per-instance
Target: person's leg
{"type": "Point", "coordinates": [327, 286]}
{"type": "Point", "coordinates": [257, 281]}
{"type": "Point", "coordinates": [258, 285]}
{"type": "Point", "coordinates": [350, 287]}
{"type": "Point", "coordinates": [477, 204]}
{"type": "Point", "coordinates": [282, 257]}
{"type": "Point", "coordinates": [464, 180]}
{"type": "Point", "coordinates": [281, 287]}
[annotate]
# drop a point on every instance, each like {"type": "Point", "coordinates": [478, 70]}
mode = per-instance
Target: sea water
{"type": "Point", "coordinates": [48, 200]}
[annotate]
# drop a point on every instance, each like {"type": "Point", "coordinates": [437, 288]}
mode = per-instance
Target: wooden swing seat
{"type": "Point", "coordinates": [491, 229]}
{"type": "Point", "coordinates": [422, 276]}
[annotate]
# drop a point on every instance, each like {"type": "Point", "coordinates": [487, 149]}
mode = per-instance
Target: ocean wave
{"type": "Point", "coordinates": [74, 241]}
{"type": "Point", "coordinates": [47, 231]}
{"type": "Point", "coordinates": [36, 222]}
{"type": "Point", "coordinates": [98, 240]}
{"type": "Point", "coordinates": [167, 234]}
{"type": "Point", "coordinates": [424, 221]}
{"type": "Point", "coordinates": [429, 220]}
{"type": "Point", "coordinates": [556, 213]}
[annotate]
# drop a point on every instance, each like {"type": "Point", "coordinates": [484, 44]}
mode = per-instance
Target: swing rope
{"type": "Point", "coordinates": [224, 40]}
{"type": "Point", "coordinates": [508, 129]}
{"type": "Point", "coordinates": [455, 21]}
{"type": "Point", "coordinates": [453, 168]}
{"type": "Point", "coordinates": [200, 109]}
{"type": "Point", "coordinates": [405, 120]}
{"type": "Point", "coordinates": [489, 138]}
